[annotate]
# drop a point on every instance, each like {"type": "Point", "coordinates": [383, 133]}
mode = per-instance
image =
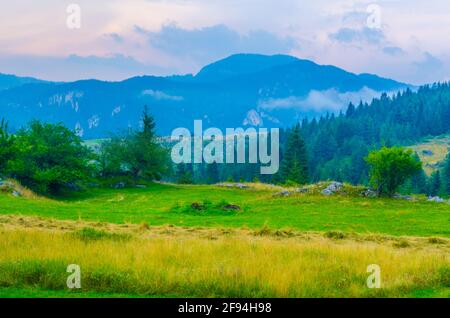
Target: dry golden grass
{"type": "Point", "coordinates": [439, 147]}
{"type": "Point", "coordinates": [208, 263]}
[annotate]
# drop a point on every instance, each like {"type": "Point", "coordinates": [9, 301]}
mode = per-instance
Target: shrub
{"type": "Point", "coordinates": [337, 235]}
{"type": "Point", "coordinates": [390, 168]}
{"type": "Point", "coordinates": [90, 234]}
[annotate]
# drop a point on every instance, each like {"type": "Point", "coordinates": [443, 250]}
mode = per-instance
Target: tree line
{"type": "Point", "coordinates": [49, 158]}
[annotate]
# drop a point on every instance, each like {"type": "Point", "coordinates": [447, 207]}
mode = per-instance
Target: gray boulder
{"type": "Point", "coordinates": [16, 194]}
{"type": "Point", "coordinates": [369, 193]}
{"type": "Point", "coordinates": [403, 197]}
{"type": "Point", "coordinates": [119, 185]}
{"type": "Point", "coordinates": [301, 190]}
{"type": "Point", "coordinates": [333, 188]}
{"type": "Point", "coordinates": [436, 199]}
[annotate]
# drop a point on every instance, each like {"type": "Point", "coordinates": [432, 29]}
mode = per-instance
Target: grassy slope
{"type": "Point", "coordinates": [165, 204]}
{"type": "Point", "coordinates": [440, 148]}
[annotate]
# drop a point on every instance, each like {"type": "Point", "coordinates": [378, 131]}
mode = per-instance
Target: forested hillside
{"type": "Point", "coordinates": [338, 144]}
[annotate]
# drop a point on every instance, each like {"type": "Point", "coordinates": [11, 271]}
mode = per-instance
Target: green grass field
{"type": "Point", "coordinates": [168, 204]}
{"type": "Point", "coordinates": [151, 243]}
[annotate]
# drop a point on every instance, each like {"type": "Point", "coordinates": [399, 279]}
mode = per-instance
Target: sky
{"type": "Point", "coordinates": [407, 40]}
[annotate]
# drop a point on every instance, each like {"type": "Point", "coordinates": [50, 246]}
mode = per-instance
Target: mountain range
{"type": "Point", "coordinates": [240, 91]}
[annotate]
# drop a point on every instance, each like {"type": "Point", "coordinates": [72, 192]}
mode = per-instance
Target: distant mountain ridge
{"type": "Point", "coordinates": [10, 81]}
{"type": "Point", "coordinates": [241, 90]}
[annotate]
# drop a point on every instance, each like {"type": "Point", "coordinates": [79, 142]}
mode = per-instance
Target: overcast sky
{"type": "Point", "coordinates": [407, 40]}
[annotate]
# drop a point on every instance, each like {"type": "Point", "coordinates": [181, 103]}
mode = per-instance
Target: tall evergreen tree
{"type": "Point", "coordinates": [149, 125]}
{"type": "Point", "coordinates": [6, 146]}
{"type": "Point", "coordinates": [446, 176]}
{"type": "Point", "coordinates": [138, 153]}
{"type": "Point", "coordinates": [185, 173]}
{"type": "Point", "coordinates": [294, 165]}
{"type": "Point", "coordinates": [434, 184]}
{"type": "Point", "coordinates": [212, 173]}
{"type": "Point", "coordinates": [418, 181]}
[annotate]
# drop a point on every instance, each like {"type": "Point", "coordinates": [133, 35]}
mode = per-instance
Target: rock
{"type": "Point", "coordinates": [6, 186]}
{"type": "Point", "coordinates": [369, 193]}
{"type": "Point", "coordinates": [436, 199]}
{"type": "Point", "coordinates": [232, 207]}
{"type": "Point", "coordinates": [16, 194]}
{"type": "Point", "coordinates": [140, 186]}
{"type": "Point", "coordinates": [333, 188]}
{"type": "Point", "coordinates": [301, 190]}
{"type": "Point", "coordinates": [403, 197]}
{"type": "Point", "coordinates": [119, 185]}
{"type": "Point", "coordinates": [284, 193]}
{"type": "Point", "coordinates": [427, 152]}
{"type": "Point", "coordinates": [233, 185]}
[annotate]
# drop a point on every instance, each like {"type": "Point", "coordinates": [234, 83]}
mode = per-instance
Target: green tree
{"type": "Point", "coordinates": [185, 173]}
{"type": "Point", "coordinates": [49, 157]}
{"type": "Point", "coordinates": [446, 176]}
{"type": "Point", "coordinates": [419, 182]}
{"type": "Point", "coordinates": [391, 167]}
{"type": "Point", "coordinates": [135, 153]}
{"type": "Point", "coordinates": [294, 165]}
{"type": "Point", "coordinates": [6, 146]}
{"type": "Point", "coordinates": [212, 173]}
{"type": "Point", "coordinates": [434, 187]}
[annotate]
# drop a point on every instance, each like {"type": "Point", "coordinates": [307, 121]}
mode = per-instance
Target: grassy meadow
{"type": "Point", "coordinates": [151, 242]}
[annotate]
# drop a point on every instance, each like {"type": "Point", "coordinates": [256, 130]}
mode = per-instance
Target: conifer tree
{"type": "Point", "coordinates": [294, 166]}
{"type": "Point", "coordinates": [434, 184]}
{"type": "Point", "coordinates": [446, 176]}
{"type": "Point", "coordinates": [212, 173]}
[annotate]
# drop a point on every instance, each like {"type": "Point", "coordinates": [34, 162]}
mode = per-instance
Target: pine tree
{"type": "Point", "coordinates": [434, 184]}
{"type": "Point", "coordinates": [446, 176]}
{"type": "Point", "coordinates": [419, 180]}
{"type": "Point", "coordinates": [185, 173]}
{"type": "Point", "coordinates": [294, 166]}
{"type": "Point", "coordinates": [138, 151]}
{"type": "Point", "coordinates": [212, 173]}
{"type": "Point", "coordinates": [149, 124]}
{"type": "Point", "coordinates": [6, 146]}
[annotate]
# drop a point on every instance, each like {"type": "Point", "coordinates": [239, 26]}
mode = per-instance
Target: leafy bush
{"type": "Point", "coordinates": [390, 168]}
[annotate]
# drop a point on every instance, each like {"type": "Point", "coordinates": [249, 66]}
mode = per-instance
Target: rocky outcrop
{"type": "Point", "coordinates": [10, 187]}
{"type": "Point", "coordinates": [333, 188]}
